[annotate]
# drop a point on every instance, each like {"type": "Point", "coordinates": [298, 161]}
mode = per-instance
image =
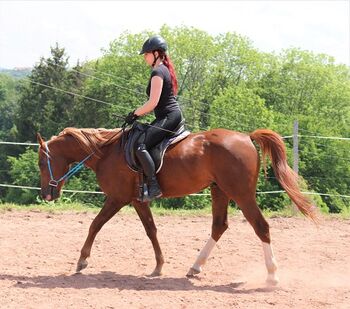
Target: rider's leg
{"type": "Point", "coordinates": [155, 133]}
{"type": "Point", "coordinates": [149, 170]}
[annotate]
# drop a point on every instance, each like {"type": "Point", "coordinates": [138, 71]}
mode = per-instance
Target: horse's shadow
{"type": "Point", "coordinates": [110, 280]}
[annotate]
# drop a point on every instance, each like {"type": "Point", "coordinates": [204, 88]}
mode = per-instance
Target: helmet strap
{"type": "Point", "coordinates": [155, 59]}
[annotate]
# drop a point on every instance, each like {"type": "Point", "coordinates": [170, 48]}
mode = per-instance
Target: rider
{"type": "Point", "coordinates": [161, 90]}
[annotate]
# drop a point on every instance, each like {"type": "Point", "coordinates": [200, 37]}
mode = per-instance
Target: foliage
{"type": "Point", "coordinates": [43, 109]}
{"type": "Point", "coordinates": [24, 171]}
{"type": "Point", "coordinates": [187, 202]}
{"type": "Point", "coordinates": [8, 109]}
{"type": "Point", "coordinates": [234, 107]}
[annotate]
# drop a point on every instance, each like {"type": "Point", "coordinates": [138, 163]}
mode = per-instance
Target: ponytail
{"type": "Point", "coordinates": [167, 62]}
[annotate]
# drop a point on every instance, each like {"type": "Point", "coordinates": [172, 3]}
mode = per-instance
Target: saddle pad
{"type": "Point", "coordinates": [157, 153]}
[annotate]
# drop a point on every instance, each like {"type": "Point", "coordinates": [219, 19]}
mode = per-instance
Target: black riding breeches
{"type": "Point", "coordinates": [154, 134]}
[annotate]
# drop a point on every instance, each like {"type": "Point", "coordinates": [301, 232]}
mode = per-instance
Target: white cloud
{"type": "Point", "coordinates": [28, 28]}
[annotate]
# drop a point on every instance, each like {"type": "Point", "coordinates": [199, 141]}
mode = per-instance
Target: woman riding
{"type": "Point", "coordinates": [161, 90]}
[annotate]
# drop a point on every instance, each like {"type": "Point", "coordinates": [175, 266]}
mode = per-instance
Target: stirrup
{"type": "Point", "coordinates": [143, 189]}
{"type": "Point", "coordinates": [147, 198]}
{"type": "Point", "coordinates": [144, 196]}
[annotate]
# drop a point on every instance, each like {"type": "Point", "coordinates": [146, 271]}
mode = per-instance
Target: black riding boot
{"type": "Point", "coordinates": [148, 167]}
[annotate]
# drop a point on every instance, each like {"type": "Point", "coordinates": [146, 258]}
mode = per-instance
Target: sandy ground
{"type": "Point", "coordinates": [39, 253]}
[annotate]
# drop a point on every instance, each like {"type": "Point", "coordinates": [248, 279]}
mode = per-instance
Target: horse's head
{"type": "Point", "coordinates": [53, 165]}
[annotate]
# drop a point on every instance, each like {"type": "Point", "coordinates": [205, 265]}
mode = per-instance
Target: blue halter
{"type": "Point", "coordinates": [71, 172]}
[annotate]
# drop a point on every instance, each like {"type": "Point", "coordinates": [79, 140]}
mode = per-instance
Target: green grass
{"type": "Point", "coordinates": [56, 207]}
{"type": "Point", "coordinates": [49, 207]}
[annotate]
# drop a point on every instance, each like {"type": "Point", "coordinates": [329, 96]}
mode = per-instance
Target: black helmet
{"type": "Point", "coordinates": [154, 43]}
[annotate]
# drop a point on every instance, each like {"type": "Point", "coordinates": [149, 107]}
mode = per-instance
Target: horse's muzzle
{"type": "Point", "coordinates": [50, 193]}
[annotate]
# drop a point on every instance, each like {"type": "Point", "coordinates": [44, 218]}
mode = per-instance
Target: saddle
{"type": "Point", "coordinates": [157, 153]}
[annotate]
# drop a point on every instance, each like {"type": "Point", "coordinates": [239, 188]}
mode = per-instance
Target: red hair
{"type": "Point", "coordinates": [167, 62]}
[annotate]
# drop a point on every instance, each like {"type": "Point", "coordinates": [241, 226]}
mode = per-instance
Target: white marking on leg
{"type": "Point", "coordinates": [204, 254]}
{"type": "Point", "coordinates": [270, 263]}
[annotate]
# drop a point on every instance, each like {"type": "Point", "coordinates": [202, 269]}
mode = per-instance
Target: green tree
{"type": "Point", "coordinates": [45, 109]}
{"type": "Point", "coordinates": [239, 108]}
{"type": "Point", "coordinates": [8, 106]}
{"type": "Point", "coordinates": [8, 110]}
{"type": "Point", "coordinates": [313, 89]}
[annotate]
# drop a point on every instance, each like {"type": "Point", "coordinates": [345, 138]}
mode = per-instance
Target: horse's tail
{"type": "Point", "coordinates": [272, 145]}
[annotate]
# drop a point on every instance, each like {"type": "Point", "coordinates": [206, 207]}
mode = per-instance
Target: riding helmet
{"type": "Point", "coordinates": [154, 43]}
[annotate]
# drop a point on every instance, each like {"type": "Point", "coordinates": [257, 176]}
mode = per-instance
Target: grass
{"type": "Point", "coordinates": [56, 207]}
{"type": "Point", "coordinates": [78, 207]}
{"type": "Point", "coordinates": [48, 207]}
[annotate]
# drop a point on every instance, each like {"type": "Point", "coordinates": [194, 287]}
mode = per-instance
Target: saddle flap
{"type": "Point", "coordinates": [131, 143]}
{"type": "Point", "coordinates": [157, 153]}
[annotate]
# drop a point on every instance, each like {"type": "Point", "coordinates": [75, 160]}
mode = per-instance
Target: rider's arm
{"type": "Point", "coordinates": [156, 90]}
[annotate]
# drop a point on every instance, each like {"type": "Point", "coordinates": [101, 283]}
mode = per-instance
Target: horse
{"type": "Point", "coordinates": [226, 161]}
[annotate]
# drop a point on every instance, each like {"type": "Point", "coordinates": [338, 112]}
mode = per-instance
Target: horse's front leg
{"type": "Point", "coordinates": [146, 217]}
{"type": "Point", "coordinates": [110, 208]}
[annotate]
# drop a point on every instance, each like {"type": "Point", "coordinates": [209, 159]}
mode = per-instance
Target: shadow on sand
{"type": "Point", "coordinates": [111, 280]}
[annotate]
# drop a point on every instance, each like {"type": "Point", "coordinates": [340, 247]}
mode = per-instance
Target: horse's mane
{"type": "Point", "coordinates": [92, 140]}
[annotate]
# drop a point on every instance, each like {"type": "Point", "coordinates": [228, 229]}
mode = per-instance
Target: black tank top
{"type": "Point", "coordinates": [167, 101]}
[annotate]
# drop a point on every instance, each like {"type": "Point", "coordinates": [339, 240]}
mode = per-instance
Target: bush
{"type": "Point", "coordinates": [24, 171]}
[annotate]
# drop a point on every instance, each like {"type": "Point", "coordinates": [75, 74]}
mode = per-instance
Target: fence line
{"type": "Point", "coordinates": [22, 144]}
{"type": "Point", "coordinates": [37, 188]}
{"type": "Point", "coordinates": [284, 137]}
{"type": "Point", "coordinates": [194, 194]}
{"type": "Point", "coordinates": [325, 137]}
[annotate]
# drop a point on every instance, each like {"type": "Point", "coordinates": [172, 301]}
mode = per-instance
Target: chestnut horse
{"type": "Point", "coordinates": [225, 160]}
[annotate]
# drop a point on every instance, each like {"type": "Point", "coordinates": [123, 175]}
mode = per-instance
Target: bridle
{"type": "Point", "coordinates": [53, 182]}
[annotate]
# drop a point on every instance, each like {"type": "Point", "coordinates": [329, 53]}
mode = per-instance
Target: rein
{"type": "Point", "coordinates": [71, 172]}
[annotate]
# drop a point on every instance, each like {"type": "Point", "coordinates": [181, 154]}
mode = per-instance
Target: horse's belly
{"type": "Point", "coordinates": [183, 177]}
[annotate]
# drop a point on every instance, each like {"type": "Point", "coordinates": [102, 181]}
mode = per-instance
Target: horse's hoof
{"type": "Point", "coordinates": [192, 272]}
{"type": "Point", "coordinates": [81, 265]}
{"type": "Point", "coordinates": [155, 273]}
{"type": "Point", "coordinates": [272, 280]}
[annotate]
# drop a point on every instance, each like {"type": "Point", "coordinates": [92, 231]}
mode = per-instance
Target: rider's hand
{"type": "Point", "coordinates": [131, 118]}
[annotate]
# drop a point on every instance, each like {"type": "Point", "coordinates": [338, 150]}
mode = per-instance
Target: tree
{"type": "Point", "coordinates": [45, 109]}
{"type": "Point", "coordinates": [316, 91]}
{"type": "Point", "coordinates": [8, 110]}
{"type": "Point", "coordinates": [8, 106]}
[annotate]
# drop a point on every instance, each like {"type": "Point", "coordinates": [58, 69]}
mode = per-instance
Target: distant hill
{"type": "Point", "coordinates": [16, 72]}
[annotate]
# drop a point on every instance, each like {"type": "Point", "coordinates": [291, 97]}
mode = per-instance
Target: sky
{"type": "Point", "coordinates": [84, 28]}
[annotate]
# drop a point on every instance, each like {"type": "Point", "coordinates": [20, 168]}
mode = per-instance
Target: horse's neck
{"type": "Point", "coordinates": [70, 149]}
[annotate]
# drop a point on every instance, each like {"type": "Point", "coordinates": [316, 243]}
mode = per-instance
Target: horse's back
{"type": "Point", "coordinates": [221, 140]}
{"type": "Point", "coordinates": [217, 156]}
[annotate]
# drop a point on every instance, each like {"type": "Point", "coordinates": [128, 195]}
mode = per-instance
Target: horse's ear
{"type": "Point", "coordinates": [40, 139]}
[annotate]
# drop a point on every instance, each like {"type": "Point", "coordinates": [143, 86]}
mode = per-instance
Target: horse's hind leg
{"type": "Point", "coordinates": [109, 209]}
{"type": "Point", "coordinates": [254, 216]}
{"type": "Point", "coordinates": [219, 226]}
{"type": "Point", "coordinates": [146, 217]}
